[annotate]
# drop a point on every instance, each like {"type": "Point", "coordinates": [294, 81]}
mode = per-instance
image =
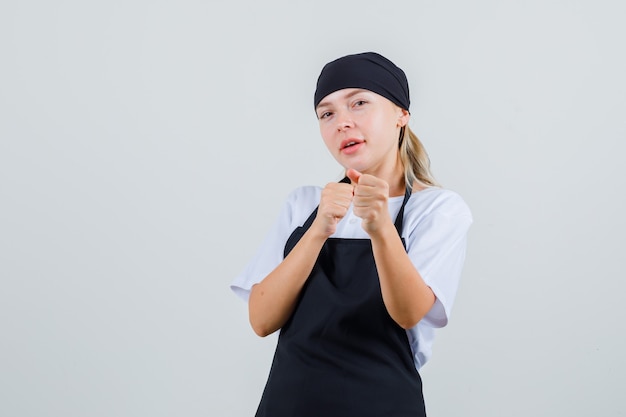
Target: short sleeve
{"type": "Point", "coordinates": [299, 204]}
{"type": "Point", "coordinates": [436, 244]}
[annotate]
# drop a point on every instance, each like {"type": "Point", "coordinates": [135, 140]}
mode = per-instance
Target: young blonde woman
{"type": "Point", "coordinates": [358, 274]}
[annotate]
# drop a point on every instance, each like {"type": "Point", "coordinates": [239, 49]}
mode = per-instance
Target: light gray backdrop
{"type": "Point", "coordinates": [146, 147]}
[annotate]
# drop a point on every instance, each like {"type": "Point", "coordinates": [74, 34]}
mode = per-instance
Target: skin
{"type": "Point", "coordinates": [372, 123]}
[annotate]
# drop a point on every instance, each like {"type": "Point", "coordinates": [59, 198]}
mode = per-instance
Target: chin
{"type": "Point", "coordinates": [354, 165]}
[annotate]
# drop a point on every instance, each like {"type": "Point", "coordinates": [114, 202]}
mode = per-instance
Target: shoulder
{"type": "Point", "coordinates": [301, 202]}
{"type": "Point", "coordinates": [438, 201]}
{"type": "Point", "coordinates": [305, 195]}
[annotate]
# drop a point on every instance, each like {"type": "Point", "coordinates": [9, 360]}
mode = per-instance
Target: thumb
{"type": "Point", "coordinates": [354, 175]}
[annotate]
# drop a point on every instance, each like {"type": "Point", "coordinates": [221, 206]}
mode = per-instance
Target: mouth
{"type": "Point", "coordinates": [348, 143]}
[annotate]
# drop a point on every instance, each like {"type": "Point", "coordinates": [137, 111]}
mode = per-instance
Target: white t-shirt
{"type": "Point", "coordinates": [435, 228]}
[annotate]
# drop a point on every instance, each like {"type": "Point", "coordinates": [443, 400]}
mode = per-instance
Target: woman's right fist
{"type": "Point", "coordinates": [334, 203]}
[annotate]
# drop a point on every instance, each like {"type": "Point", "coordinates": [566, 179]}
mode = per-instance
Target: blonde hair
{"type": "Point", "coordinates": [415, 159]}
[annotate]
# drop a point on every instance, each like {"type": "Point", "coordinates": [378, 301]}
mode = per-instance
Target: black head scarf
{"type": "Point", "coordinates": [367, 70]}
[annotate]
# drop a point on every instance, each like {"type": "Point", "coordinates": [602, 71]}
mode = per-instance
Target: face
{"type": "Point", "coordinates": [361, 130]}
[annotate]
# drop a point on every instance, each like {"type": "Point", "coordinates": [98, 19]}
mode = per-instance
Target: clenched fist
{"type": "Point", "coordinates": [334, 204]}
{"type": "Point", "coordinates": [370, 200]}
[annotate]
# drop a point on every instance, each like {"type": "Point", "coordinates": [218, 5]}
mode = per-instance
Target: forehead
{"type": "Point", "coordinates": [343, 94]}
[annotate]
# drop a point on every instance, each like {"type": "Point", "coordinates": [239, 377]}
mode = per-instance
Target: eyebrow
{"type": "Point", "coordinates": [349, 95]}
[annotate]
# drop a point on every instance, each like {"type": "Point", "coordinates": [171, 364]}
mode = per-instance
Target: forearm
{"type": "Point", "coordinates": [405, 294]}
{"type": "Point", "coordinates": [273, 299]}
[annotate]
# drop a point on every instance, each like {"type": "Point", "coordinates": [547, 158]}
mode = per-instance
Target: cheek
{"type": "Point", "coordinates": [326, 134]}
{"type": "Point", "coordinates": [381, 123]}
{"type": "Point", "coordinates": [390, 121]}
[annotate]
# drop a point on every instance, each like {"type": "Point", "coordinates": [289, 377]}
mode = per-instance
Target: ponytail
{"type": "Point", "coordinates": [415, 159]}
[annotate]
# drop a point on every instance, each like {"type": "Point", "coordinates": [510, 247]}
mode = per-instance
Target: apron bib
{"type": "Point", "coordinates": [340, 354]}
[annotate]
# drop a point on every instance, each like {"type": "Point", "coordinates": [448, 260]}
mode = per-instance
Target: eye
{"type": "Point", "coordinates": [359, 103]}
{"type": "Point", "coordinates": [325, 115]}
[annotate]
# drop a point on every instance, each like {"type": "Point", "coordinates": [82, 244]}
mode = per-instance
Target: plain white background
{"type": "Point", "coordinates": [146, 147]}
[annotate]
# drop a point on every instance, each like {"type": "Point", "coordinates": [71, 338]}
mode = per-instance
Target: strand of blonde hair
{"type": "Point", "coordinates": [415, 159]}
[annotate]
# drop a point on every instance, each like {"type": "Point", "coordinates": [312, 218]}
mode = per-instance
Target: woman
{"type": "Point", "coordinates": [357, 275]}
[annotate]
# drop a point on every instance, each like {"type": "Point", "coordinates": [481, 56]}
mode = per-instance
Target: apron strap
{"type": "Point", "coordinates": [399, 218]}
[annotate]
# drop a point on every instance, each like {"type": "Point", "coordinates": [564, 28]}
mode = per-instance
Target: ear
{"type": "Point", "coordinates": [404, 117]}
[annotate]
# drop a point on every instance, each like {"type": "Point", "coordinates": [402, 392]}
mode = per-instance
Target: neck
{"type": "Point", "coordinates": [397, 187]}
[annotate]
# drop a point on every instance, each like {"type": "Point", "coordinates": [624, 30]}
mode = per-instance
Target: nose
{"type": "Point", "coordinates": [344, 122]}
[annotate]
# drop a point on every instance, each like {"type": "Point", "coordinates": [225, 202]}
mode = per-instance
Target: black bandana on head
{"type": "Point", "coordinates": [367, 70]}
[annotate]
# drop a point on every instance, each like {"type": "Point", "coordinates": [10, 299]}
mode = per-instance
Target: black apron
{"type": "Point", "coordinates": [340, 354]}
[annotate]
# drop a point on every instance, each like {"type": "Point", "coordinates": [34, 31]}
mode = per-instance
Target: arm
{"type": "Point", "coordinates": [273, 299]}
{"type": "Point", "coordinates": [405, 294]}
